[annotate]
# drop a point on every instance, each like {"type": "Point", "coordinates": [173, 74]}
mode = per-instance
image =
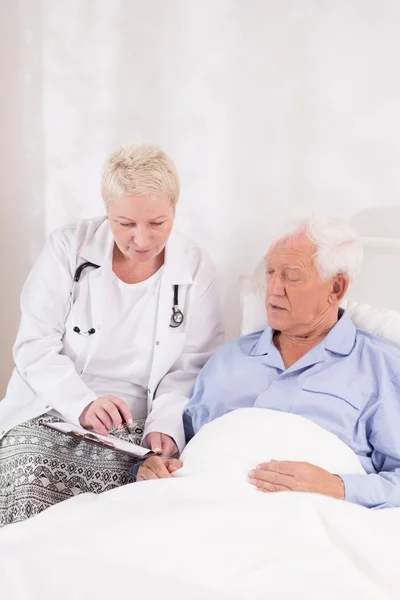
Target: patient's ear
{"type": "Point", "coordinates": [340, 285]}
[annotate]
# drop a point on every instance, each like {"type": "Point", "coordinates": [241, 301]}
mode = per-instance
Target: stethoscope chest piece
{"type": "Point", "coordinates": [176, 318]}
{"type": "Point", "coordinates": [177, 315]}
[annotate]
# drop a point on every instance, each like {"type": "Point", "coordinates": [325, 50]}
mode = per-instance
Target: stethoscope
{"type": "Point", "coordinates": [176, 317]}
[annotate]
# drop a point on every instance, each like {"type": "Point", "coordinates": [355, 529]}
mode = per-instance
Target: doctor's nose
{"type": "Point", "coordinates": [141, 238]}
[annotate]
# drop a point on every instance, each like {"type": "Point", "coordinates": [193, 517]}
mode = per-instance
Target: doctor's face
{"type": "Point", "coordinates": [141, 224]}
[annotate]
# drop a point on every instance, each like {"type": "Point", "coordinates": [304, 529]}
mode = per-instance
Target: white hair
{"type": "Point", "coordinates": [338, 248]}
{"type": "Point", "coordinates": [139, 169]}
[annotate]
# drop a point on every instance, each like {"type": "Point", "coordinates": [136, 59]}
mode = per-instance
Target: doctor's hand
{"type": "Point", "coordinates": [290, 476]}
{"type": "Point", "coordinates": [103, 413]}
{"type": "Point", "coordinates": [156, 467]}
{"type": "Point", "coordinates": [161, 443]}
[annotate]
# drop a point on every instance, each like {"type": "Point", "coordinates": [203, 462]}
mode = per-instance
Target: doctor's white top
{"type": "Point", "coordinates": [58, 369]}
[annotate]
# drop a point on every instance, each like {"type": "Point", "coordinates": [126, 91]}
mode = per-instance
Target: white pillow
{"type": "Point", "coordinates": [382, 322]}
{"type": "Point", "coordinates": [230, 446]}
{"type": "Point", "coordinates": [252, 301]}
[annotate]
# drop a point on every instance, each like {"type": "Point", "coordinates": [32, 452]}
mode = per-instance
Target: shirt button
{"type": "Point", "coordinates": [148, 390]}
{"type": "Point", "coordinates": [157, 343]}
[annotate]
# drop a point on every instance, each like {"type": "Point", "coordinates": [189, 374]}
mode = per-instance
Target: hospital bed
{"type": "Point", "coordinates": [207, 534]}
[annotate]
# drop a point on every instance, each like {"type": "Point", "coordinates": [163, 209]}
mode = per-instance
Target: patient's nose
{"type": "Point", "coordinates": [275, 285]}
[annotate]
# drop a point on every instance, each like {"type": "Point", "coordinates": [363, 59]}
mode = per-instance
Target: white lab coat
{"type": "Point", "coordinates": [50, 356]}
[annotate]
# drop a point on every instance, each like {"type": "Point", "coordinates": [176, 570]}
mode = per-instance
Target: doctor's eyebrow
{"type": "Point", "coordinates": [153, 219]}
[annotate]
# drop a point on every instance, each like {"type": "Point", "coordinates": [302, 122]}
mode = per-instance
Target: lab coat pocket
{"type": "Point", "coordinates": [86, 300]}
{"type": "Point", "coordinates": [175, 342]}
{"type": "Point", "coordinates": [74, 345]}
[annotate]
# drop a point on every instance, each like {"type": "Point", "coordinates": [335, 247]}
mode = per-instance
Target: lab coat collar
{"type": "Point", "coordinates": [98, 247]}
{"type": "Point", "coordinates": [178, 253]}
{"type": "Point", "coordinates": [178, 259]}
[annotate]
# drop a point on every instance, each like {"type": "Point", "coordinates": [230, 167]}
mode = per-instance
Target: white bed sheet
{"type": "Point", "coordinates": [186, 538]}
{"type": "Point", "coordinates": [198, 536]}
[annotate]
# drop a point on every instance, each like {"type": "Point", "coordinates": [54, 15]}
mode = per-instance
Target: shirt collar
{"type": "Point", "coordinates": [264, 342]}
{"type": "Point", "coordinates": [178, 257]}
{"type": "Point", "coordinates": [340, 339]}
{"type": "Point", "coordinates": [342, 336]}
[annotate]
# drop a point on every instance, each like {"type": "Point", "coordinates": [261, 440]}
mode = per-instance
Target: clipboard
{"type": "Point", "coordinates": [107, 442]}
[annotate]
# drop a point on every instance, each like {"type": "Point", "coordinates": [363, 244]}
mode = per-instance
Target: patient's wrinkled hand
{"type": "Point", "coordinates": [291, 476]}
{"type": "Point", "coordinates": [156, 467]}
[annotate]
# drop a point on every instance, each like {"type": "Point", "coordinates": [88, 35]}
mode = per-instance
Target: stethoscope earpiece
{"type": "Point", "coordinates": [77, 277]}
{"type": "Point", "coordinates": [90, 331]}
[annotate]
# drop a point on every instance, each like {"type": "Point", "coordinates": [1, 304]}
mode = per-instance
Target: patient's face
{"type": "Point", "coordinates": [297, 299]}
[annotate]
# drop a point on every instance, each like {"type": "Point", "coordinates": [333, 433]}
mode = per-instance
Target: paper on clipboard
{"type": "Point", "coordinates": [112, 443]}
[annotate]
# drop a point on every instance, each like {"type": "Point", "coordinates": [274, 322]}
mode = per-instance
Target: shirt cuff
{"type": "Point", "coordinates": [134, 470]}
{"type": "Point", "coordinates": [365, 490]}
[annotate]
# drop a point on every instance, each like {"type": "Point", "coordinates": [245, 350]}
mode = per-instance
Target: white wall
{"type": "Point", "coordinates": [21, 175]}
{"type": "Point", "coordinates": [264, 105]}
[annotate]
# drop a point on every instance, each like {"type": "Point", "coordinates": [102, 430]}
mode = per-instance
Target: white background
{"type": "Point", "coordinates": [264, 105]}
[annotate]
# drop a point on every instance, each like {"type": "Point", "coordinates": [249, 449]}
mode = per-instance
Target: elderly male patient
{"type": "Point", "coordinates": [312, 361]}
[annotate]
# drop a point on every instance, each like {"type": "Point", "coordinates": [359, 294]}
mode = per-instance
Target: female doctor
{"type": "Point", "coordinates": [119, 314]}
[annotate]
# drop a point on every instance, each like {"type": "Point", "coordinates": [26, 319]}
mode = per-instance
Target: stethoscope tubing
{"type": "Point", "coordinates": [176, 317]}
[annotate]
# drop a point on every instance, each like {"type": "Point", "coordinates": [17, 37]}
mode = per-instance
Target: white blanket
{"type": "Point", "coordinates": [207, 534]}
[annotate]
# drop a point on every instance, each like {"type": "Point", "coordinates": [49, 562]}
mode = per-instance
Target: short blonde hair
{"type": "Point", "coordinates": [139, 169]}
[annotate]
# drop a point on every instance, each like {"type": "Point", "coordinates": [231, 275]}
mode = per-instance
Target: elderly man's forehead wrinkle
{"type": "Point", "coordinates": [289, 258]}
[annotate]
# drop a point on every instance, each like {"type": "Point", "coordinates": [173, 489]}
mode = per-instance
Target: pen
{"type": "Point", "coordinates": [126, 427]}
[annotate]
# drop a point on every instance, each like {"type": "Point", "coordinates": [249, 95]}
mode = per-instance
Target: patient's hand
{"type": "Point", "coordinates": [290, 476]}
{"type": "Point", "coordinates": [156, 467]}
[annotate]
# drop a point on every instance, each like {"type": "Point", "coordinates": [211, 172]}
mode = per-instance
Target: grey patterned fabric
{"type": "Point", "coordinates": [40, 467]}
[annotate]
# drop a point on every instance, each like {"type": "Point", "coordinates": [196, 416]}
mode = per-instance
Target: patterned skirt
{"type": "Point", "coordinates": [40, 467]}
